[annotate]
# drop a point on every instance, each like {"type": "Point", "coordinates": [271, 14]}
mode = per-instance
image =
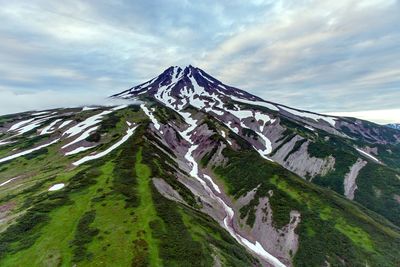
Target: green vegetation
{"type": "Point", "coordinates": [110, 214]}
{"type": "Point", "coordinates": [208, 156]}
{"type": "Point", "coordinates": [94, 137]}
{"type": "Point", "coordinates": [377, 188]}
{"type": "Point", "coordinates": [344, 159]}
{"type": "Point", "coordinates": [84, 234]}
{"type": "Point", "coordinates": [249, 133]}
{"type": "Point", "coordinates": [329, 223]}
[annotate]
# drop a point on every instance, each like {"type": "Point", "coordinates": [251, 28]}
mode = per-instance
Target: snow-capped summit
{"type": "Point", "coordinates": [176, 85]}
{"type": "Point", "coordinates": [177, 88]}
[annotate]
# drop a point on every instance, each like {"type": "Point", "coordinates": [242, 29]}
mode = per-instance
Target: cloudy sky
{"type": "Point", "coordinates": [325, 56]}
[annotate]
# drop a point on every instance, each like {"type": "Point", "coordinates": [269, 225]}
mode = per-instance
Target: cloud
{"type": "Point", "coordinates": [11, 102]}
{"type": "Point", "coordinates": [333, 55]}
{"type": "Point", "coordinates": [384, 116]}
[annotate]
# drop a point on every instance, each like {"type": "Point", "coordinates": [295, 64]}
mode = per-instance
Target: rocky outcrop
{"type": "Point", "coordinates": [350, 185]}
{"type": "Point", "coordinates": [300, 162]}
{"type": "Point", "coordinates": [283, 243]}
{"type": "Point", "coordinates": [166, 190]}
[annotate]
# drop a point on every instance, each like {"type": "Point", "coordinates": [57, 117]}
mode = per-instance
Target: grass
{"type": "Point", "coordinates": [146, 211]}
{"type": "Point", "coordinates": [357, 235]}
{"type": "Point", "coordinates": [329, 222]}
{"type": "Point", "coordinates": [124, 230]}
{"type": "Point", "coordinates": [53, 244]}
{"type": "Point", "coordinates": [112, 213]}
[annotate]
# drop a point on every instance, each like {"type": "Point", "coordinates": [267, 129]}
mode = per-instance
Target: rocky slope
{"type": "Point", "coordinates": [197, 170]}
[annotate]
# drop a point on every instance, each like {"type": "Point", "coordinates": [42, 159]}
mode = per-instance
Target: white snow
{"type": "Point", "coordinates": [40, 113]}
{"type": "Point", "coordinates": [119, 107]}
{"type": "Point", "coordinates": [262, 117]}
{"type": "Point", "coordinates": [9, 180]}
{"type": "Point", "coordinates": [83, 136]}
{"type": "Point", "coordinates": [3, 142]}
{"type": "Point", "coordinates": [232, 127]}
{"type": "Point", "coordinates": [215, 186]}
{"type": "Point", "coordinates": [22, 153]}
{"type": "Point", "coordinates": [65, 123]}
{"type": "Point", "coordinates": [175, 76]}
{"type": "Point", "coordinates": [268, 147]}
{"type": "Point", "coordinates": [89, 108]}
{"type": "Point", "coordinates": [56, 187]}
{"type": "Point", "coordinates": [89, 122]}
{"type": "Point", "coordinates": [316, 117]}
{"type": "Point", "coordinates": [28, 125]}
{"type": "Point", "coordinates": [224, 136]}
{"type": "Point", "coordinates": [244, 114]}
{"type": "Point", "coordinates": [256, 248]}
{"type": "Point", "coordinates": [309, 128]}
{"type": "Point", "coordinates": [151, 116]}
{"type": "Point", "coordinates": [255, 102]}
{"type": "Point", "coordinates": [78, 150]}
{"type": "Point", "coordinates": [367, 154]}
{"type": "Point", "coordinates": [48, 129]}
{"type": "Point", "coordinates": [19, 124]}
{"type": "Point", "coordinates": [129, 133]}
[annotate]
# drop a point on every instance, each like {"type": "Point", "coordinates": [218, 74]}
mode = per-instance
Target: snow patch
{"type": "Point", "coordinates": [88, 108]}
{"type": "Point", "coordinates": [309, 128]}
{"type": "Point", "coordinates": [151, 116]}
{"type": "Point", "coordinates": [40, 113]}
{"type": "Point", "coordinates": [315, 117]}
{"type": "Point", "coordinates": [89, 122]}
{"type": "Point", "coordinates": [4, 142]}
{"type": "Point", "coordinates": [367, 154]}
{"type": "Point", "coordinates": [8, 181]}
{"type": "Point", "coordinates": [78, 150]}
{"type": "Point", "coordinates": [65, 123]}
{"type": "Point", "coordinates": [23, 153]}
{"type": "Point", "coordinates": [83, 136]}
{"type": "Point", "coordinates": [119, 107]}
{"type": "Point", "coordinates": [19, 124]}
{"type": "Point", "coordinates": [56, 187]}
{"type": "Point", "coordinates": [255, 102]}
{"type": "Point", "coordinates": [224, 136]}
{"type": "Point", "coordinates": [48, 129]}
{"type": "Point", "coordinates": [215, 186]}
{"type": "Point", "coordinates": [129, 133]}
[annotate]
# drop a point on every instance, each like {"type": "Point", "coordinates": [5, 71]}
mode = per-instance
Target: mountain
{"type": "Point", "coordinates": [197, 173]}
{"type": "Point", "coordinates": [394, 126]}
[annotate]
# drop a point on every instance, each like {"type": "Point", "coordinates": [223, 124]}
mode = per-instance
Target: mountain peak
{"type": "Point", "coordinates": [176, 85]}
